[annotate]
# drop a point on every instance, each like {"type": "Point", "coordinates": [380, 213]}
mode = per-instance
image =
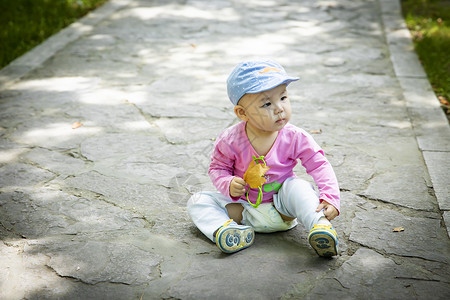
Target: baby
{"type": "Point", "coordinates": [265, 141]}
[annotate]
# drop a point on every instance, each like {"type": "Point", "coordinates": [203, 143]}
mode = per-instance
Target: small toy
{"type": "Point", "coordinates": [254, 176]}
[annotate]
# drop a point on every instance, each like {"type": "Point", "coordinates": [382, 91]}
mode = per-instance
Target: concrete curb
{"type": "Point", "coordinates": [428, 120]}
{"type": "Point", "coordinates": [34, 58]}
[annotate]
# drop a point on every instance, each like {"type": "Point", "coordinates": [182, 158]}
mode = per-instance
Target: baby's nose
{"type": "Point", "coordinates": [278, 108]}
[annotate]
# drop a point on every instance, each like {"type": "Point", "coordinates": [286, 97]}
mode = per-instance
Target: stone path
{"type": "Point", "coordinates": [98, 212]}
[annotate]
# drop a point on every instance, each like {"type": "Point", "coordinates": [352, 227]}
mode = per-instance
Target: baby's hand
{"type": "Point", "coordinates": [329, 210]}
{"type": "Point", "coordinates": [237, 187]}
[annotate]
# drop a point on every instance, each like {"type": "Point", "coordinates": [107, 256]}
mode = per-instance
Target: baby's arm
{"type": "Point", "coordinates": [329, 210]}
{"type": "Point", "coordinates": [316, 165]}
{"type": "Point", "coordinates": [221, 171]}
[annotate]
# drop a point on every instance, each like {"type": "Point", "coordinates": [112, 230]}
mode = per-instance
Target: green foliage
{"type": "Point", "coordinates": [429, 23]}
{"type": "Point", "coordinates": [26, 23]}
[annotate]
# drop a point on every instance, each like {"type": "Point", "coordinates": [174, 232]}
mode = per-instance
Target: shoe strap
{"type": "Point", "coordinates": [323, 227]}
{"type": "Point", "coordinates": [330, 227]}
{"type": "Point", "coordinates": [224, 225]}
{"type": "Point", "coordinates": [227, 223]}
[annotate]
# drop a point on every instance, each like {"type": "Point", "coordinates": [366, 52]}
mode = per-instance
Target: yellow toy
{"type": "Point", "coordinates": [254, 176]}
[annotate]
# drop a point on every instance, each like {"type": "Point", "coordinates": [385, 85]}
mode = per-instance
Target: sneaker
{"type": "Point", "coordinates": [324, 239]}
{"type": "Point", "coordinates": [232, 238]}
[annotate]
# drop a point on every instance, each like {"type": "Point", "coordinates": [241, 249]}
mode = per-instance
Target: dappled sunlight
{"type": "Point", "coordinates": [150, 13]}
{"type": "Point", "coordinates": [52, 220]}
{"type": "Point", "coordinates": [11, 155]}
{"type": "Point", "coordinates": [103, 96]}
{"type": "Point", "coordinates": [435, 125]}
{"type": "Point", "coordinates": [136, 125]}
{"type": "Point", "coordinates": [85, 89]}
{"type": "Point", "coordinates": [308, 29]}
{"type": "Point", "coordinates": [372, 264]}
{"type": "Point", "coordinates": [399, 124]}
{"type": "Point", "coordinates": [193, 12]}
{"type": "Point", "coordinates": [264, 45]}
{"type": "Point", "coordinates": [263, 3]}
{"type": "Point", "coordinates": [103, 38]}
{"type": "Point", "coordinates": [58, 84]}
{"type": "Point", "coordinates": [81, 28]}
{"type": "Point", "coordinates": [105, 134]}
{"type": "Point", "coordinates": [137, 95]}
{"type": "Point", "coordinates": [24, 273]}
{"type": "Point", "coordinates": [56, 133]}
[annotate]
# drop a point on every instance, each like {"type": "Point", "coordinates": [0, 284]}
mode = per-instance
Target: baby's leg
{"type": "Point", "coordinates": [298, 199]}
{"type": "Point", "coordinates": [207, 211]}
{"type": "Point", "coordinates": [211, 214]}
{"type": "Point", "coordinates": [235, 211]}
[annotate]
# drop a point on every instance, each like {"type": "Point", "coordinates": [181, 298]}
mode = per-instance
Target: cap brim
{"type": "Point", "coordinates": [273, 83]}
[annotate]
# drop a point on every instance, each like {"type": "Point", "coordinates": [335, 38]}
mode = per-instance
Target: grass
{"type": "Point", "coordinates": [429, 24]}
{"type": "Point", "coordinates": [26, 23]}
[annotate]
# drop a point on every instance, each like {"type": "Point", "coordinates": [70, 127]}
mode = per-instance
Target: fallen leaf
{"type": "Point", "coordinates": [316, 131]}
{"type": "Point", "coordinates": [254, 175]}
{"type": "Point", "coordinates": [76, 125]}
{"type": "Point", "coordinates": [398, 229]}
{"type": "Point", "coordinates": [443, 100]}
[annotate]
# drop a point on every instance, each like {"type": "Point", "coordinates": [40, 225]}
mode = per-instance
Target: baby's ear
{"type": "Point", "coordinates": [240, 112]}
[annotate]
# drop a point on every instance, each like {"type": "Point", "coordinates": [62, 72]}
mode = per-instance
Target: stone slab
{"type": "Point", "coordinates": [93, 262]}
{"type": "Point", "coordinates": [446, 218]}
{"type": "Point", "coordinates": [186, 130]}
{"type": "Point", "coordinates": [438, 164]}
{"type": "Point", "coordinates": [56, 162]}
{"type": "Point", "coordinates": [414, 194]}
{"type": "Point", "coordinates": [22, 275]}
{"type": "Point", "coordinates": [381, 277]}
{"type": "Point", "coordinates": [429, 122]}
{"type": "Point", "coordinates": [19, 175]}
{"type": "Point", "coordinates": [375, 229]}
{"type": "Point", "coordinates": [277, 258]}
{"type": "Point", "coordinates": [52, 133]}
{"type": "Point", "coordinates": [41, 212]}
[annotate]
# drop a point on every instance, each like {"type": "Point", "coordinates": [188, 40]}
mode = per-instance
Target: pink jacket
{"type": "Point", "coordinates": [233, 153]}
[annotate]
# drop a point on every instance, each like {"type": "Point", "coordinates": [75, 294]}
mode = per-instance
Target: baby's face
{"type": "Point", "coordinates": [267, 111]}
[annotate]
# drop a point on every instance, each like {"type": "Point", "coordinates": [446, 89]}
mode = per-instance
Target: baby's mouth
{"type": "Point", "coordinates": [280, 117]}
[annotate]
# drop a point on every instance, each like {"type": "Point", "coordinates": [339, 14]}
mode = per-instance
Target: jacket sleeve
{"type": "Point", "coordinates": [221, 169]}
{"type": "Point", "coordinates": [318, 167]}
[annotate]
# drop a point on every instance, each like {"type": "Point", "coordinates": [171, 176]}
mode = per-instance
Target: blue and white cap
{"type": "Point", "coordinates": [252, 77]}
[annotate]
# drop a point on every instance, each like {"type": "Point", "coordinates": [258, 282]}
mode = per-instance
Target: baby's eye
{"type": "Point", "coordinates": [267, 104]}
{"type": "Point", "coordinates": [284, 98]}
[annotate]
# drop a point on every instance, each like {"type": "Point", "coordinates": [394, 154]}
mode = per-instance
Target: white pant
{"type": "Point", "coordinates": [296, 198]}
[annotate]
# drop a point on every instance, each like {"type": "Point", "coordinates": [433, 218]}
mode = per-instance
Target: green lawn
{"type": "Point", "coordinates": [26, 23]}
{"type": "Point", "coordinates": [429, 23]}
